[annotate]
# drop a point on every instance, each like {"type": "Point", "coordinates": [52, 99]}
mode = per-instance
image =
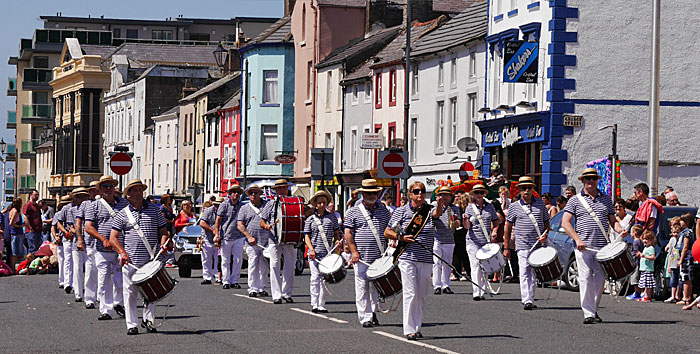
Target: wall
{"type": "Point", "coordinates": [337, 26]}
{"type": "Point", "coordinates": [186, 147]}
{"type": "Point", "coordinates": [357, 115]}
{"type": "Point", "coordinates": [165, 154]}
{"type": "Point", "coordinates": [329, 111]}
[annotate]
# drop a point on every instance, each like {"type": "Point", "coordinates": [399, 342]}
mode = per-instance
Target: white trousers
{"type": "Point", "coordinates": [258, 269]}
{"type": "Point", "coordinates": [415, 277]}
{"type": "Point", "coordinates": [591, 279]}
{"type": "Point", "coordinates": [59, 255]}
{"type": "Point", "coordinates": [231, 269]}
{"type": "Point", "coordinates": [90, 276]}
{"type": "Point", "coordinates": [67, 263]}
{"type": "Point", "coordinates": [130, 297]}
{"type": "Point", "coordinates": [78, 272]}
{"type": "Point", "coordinates": [528, 283]}
{"type": "Point", "coordinates": [477, 274]}
{"type": "Point", "coordinates": [441, 271]}
{"type": "Point", "coordinates": [282, 287]}
{"type": "Point", "coordinates": [210, 259]}
{"type": "Point", "coordinates": [316, 287]}
{"type": "Point", "coordinates": [366, 297]}
{"type": "Point", "coordinates": [109, 281]}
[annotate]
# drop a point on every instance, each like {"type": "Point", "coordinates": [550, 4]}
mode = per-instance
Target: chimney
{"type": "Point", "coordinates": [288, 7]}
{"type": "Point", "coordinates": [187, 89]}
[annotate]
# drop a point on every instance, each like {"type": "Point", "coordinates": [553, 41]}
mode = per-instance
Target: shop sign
{"type": "Point", "coordinates": [511, 135]}
{"type": "Point", "coordinates": [521, 62]}
{"type": "Point", "coordinates": [514, 134]}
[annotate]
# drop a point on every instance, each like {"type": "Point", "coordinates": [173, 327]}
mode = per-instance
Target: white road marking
{"type": "Point", "coordinates": [253, 298]}
{"type": "Point", "coordinates": [318, 315]}
{"type": "Point", "coordinates": [438, 349]}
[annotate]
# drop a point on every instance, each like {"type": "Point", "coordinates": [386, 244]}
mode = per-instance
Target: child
{"type": "Point", "coordinates": [5, 269]}
{"type": "Point", "coordinates": [23, 267]}
{"type": "Point", "coordinates": [646, 266]}
{"type": "Point", "coordinates": [636, 232]}
{"type": "Point", "coordinates": [686, 260]}
{"type": "Point", "coordinates": [673, 248]}
{"type": "Point", "coordinates": [39, 265]}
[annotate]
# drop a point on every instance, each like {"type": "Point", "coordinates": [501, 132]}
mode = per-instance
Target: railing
{"type": "Point", "coordinates": [28, 181]}
{"type": "Point", "coordinates": [11, 117]}
{"type": "Point", "coordinates": [11, 149]}
{"type": "Point", "coordinates": [37, 75]}
{"type": "Point", "coordinates": [10, 183]}
{"type": "Point", "coordinates": [29, 146]}
{"type": "Point", "coordinates": [36, 111]}
{"type": "Point", "coordinates": [12, 84]}
{"type": "Point", "coordinates": [25, 43]}
{"type": "Point", "coordinates": [83, 36]}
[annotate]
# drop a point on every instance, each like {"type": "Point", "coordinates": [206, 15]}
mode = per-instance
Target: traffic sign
{"type": "Point", "coordinates": [120, 163]}
{"type": "Point", "coordinates": [393, 164]}
{"type": "Point", "coordinates": [466, 171]}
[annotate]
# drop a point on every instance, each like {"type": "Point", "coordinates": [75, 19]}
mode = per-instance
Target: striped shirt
{"type": "Point", "coordinates": [89, 240]}
{"type": "Point", "coordinates": [229, 217]}
{"type": "Point", "coordinates": [56, 217]}
{"type": "Point", "coordinates": [68, 216]}
{"type": "Point", "coordinates": [330, 225]}
{"type": "Point", "coordinates": [150, 220]}
{"type": "Point", "coordinates": [426, 237]}
{"type": "Point", "coordinates": [251, 220]}
{"type": "Point", "coordinates": [269, 213]}
{"type": "Point", "coordinates": [444, 233]}
{"type": "Point", "coordinates": [475, 235]}
{"type": "Point", "coordinates": [362, 234]}
{"type": "Point", "coordinates": [102, 220]}
{"type": "Point", "coordinates": [523, 229]}
{"type": "Point", "coordinates": [586, 227]}
{"type": "Point", "coordinates": [208, 216]}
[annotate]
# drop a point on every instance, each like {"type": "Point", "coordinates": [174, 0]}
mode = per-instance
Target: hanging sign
{"type": "Point", "coordinates": [520, 59]}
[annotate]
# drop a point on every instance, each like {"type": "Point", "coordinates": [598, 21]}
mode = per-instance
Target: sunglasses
{"type": "Point", "coordinates": [673, 200]}
{"type": "Point", "coordinates": [527, 188]}
{"type": "Point", "coordinates": [234, 192]}
{"type": "Point", "coordinates": [107, 186]}
{"type": "Point", "coordinates": [418, 191]}
{"type": "Point", "coordinates": [479, 192]}
{"type": "Point", "coordinates": [254, 192]}
{"type": "Point", "coordinates": [589, 178]}
{"type": "Point", "coordinates": [371, 193]}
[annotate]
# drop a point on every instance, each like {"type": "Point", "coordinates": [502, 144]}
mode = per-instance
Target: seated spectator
{"type": "Point", "coordinates": [23, 266]}
{"type": "Point", "coordinates": [672, 198]}
{"type": "Point", "coordinates": [661, 199]}
{"type": "Point", "coordinates": [4, 268]}
{"type": "Point", "coordinates": [39, 265]}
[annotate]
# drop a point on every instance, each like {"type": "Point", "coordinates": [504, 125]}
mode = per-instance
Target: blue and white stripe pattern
{"type": "Point", "coordinates": [444, 233]}
{"type": "Point", "coordinates": [586, 227]}
{"type": "Point", "coordinates": [475, 235]}
{"type": "Point", "coordinates": [229, 220]}
{"type": "Point", "coordinates": [330, 225]}
{"type": "Point", "coordinates": [102, 220]}
{"type": "Point", "coordinates": [89, 240]}
{"type": "Point", "coordinates": [426, 237]}
{"type": "Point", "coordinates": [68, 216]}
{"type": "Point", "coordinates": [208, 216]}
{"type": "Point", "coordinates": [523, 229]}
{"type": "Point", "coordinates": [251, 220]}
{"type": "Point", "coordinates": [362, 234]}
{"type": "Point", "coordinates": [267, 213]}
{"type": "Point", "coordinates": [150, 220]}
{"type": "Point", "coordinates": [58, 216]}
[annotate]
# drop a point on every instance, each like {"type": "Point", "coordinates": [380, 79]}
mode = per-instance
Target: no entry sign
{"type": "Point", "coordinates": [466, 171]}
{"type": "Point", "coordinates": [392, 164]}
{"type": "Point", "coordinates": [120, 163]}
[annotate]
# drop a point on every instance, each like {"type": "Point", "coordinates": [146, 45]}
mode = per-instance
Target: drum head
{"type": "Point", "coordinates": [488, 251]}
{"type": "Point", "coordinates": [611, 251]}
{"type": "Point", "coordinates": [380, 267]}
{"type": "Point", "coordinates": [147, 271]}
{"type": "Point", "coordinates": [542, 256]}
{"type": "Point", "coordinates": [330, 263]}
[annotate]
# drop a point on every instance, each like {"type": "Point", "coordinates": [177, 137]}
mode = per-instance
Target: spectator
{"type": "Point", "coordinates": [403, 201]}
{"type": "Point", "coordinates": [646, 266]}
{"type": "Point", "coordinates": [561, 204]}
{"type": "Point", "coordinates": [686, 260]}
{"type": "Point", "coordinates": [4, 268]}
{"type": "Point", "coordinates": [5, 223]}
{"type": "Point", "coordinates": [186, 216]}
{"type": "Point", "coordinates": [166, 207]}
{"type": "Point", "coordinates": [668, 189]}
{"type": "Point", "coordinates": [632, 205]}
{"type": "Point", "coordinates": [673, 248]}
{"type": "Point", "coordinates": [459, 254]}
{"type": "Point", "coordinates": [650, 211]}
{"type": "Point", "coordinates": [39, 265]}
{"type": "Point", "coordinates": [622, 217]}
{"type": "Point", "coordinates": [389, 202]}
{"type": "Point", "coordinates": [16, 232]}
{"type": "Point", "coordinates": [570, 191]}
{"type": "Point", "coordinates": [32, 214]}
{"type": "Point", "coordinates": [23, 266]}
{"type": "Point", "coordinates": [672, 198]}
{"type": "Point", "coordinates": [47, 213]}
{"type": "Point", "coordinates": [331, 209]}
{"type": "Point", "coordinates": [354, 196]}
{"type": "Point", "coordinates": [661, 199]}
{"type": "Point", "coordinates": [503, 199]}
{"type": "Point", "coordinates": [547, 199]}
{"type": "Point", "coordinates": [636, 233]}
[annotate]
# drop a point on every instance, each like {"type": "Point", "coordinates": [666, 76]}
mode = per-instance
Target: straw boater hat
{"type": "Point", "coordinates": [235, 187]}
{"type": "Point", "coordinates": [80, 191]}
{"type": "Point", "coordinates": [282, 182]}
{"type": "Point", "coordinates": [444, 190]}
{"type": "Point", "coordinates": [134, 183]}
{"type": "Point", "coordinates": [253, 187]}
{"type": "Point", "coordinates": [321, 193]}
{"type": "Point", "coordinates": [589, 172]}
{"type": "Point", "coordinates": [93, 185]}
{"type": "Point", "coordinates": [478, 187]}
{"type": "Point", "coordinates": [525, 181]}
{"type": "Point", "coordinates": [219, 200]}
{"type": "Point", "coordinates": [107, 179]}
{"type": "Point", "coordinates": [65, 200]}
{"type": "Point", "coordinates": [369, 185]}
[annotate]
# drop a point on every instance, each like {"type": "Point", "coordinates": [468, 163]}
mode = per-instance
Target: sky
{"type": "Point", "coordinates": [19, 18]}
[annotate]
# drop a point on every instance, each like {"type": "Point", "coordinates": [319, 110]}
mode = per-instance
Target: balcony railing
{"type": "Point", "coordinates": [84, 37]}
{"type": "Point", "coordinates": [37, 75]}
{"type": "Point", "coordinates": [26, 182]}
{"type": "Point", "coordinates": [11, 151]}
{"type": "Point", "coordinates": [36, 113]}
{"type": "Point", "coordinates": [12, 86]}
{"type": "Point", "coordinates": [29, 147]}
{"type": "Point", "coordinates": [10, 184]}
{"type": "Point", "coordinates": [11, 120]}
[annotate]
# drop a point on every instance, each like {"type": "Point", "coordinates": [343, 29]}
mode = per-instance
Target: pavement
{"type": "Point", "coordinates": [37, 316]}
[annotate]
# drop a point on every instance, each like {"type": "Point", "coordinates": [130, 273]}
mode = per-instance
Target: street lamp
{"type": "Point", "coordinates": [614, 158]}
{"type": "Point", "coordinates": [220, 55]}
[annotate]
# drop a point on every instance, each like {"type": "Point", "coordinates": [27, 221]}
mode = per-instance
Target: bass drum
{"type": "Point", "coordinates": [289, 222]}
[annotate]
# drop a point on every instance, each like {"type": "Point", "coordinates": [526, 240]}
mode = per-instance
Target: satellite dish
{"type": "Point", "coordinates": [467, 144]}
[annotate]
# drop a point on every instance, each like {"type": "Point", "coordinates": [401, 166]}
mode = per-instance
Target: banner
{"type": "Point", "coordinates": [520, 60]}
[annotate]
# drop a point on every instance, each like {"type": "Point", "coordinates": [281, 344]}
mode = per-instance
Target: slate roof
{"type": "Point", "coordinates": [358, 50]}
{"type": "Point", "coordinates": [468, 25]}
{"type": "Point", "coordinates": [234, 101]}
{"type": "Point", "coordinates": [342, 3]}
{"type": "Point", "coordinates": [167, 53]}
{"type": "Point", "coordinates": [173, 110]}
{"type": "Point", "coordinates": [280, 31]}
{"type": "Point", "coordinates": [452, 6]}
{"type": "Point", "coordinates": [213, 86]}
{"type": "Point", "coordinates": [394, 51]}
{"type": "Point", "coordinates": [102, 50]}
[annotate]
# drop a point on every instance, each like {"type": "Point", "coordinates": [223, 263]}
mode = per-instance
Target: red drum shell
{"type": "Point", "coordinates": [157, 286]}
{"type": "Point", "coordinates": [290, 220]}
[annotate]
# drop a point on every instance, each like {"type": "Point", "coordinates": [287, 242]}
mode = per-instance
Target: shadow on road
{"type": "Point", "coordinates": [644, 322]}
{"type": "Point", "coordinates": [560, 308]}
{"type": "Point", "coordinates": [201, 331]}
{"type": "Point", "coordinates": [433, 324]}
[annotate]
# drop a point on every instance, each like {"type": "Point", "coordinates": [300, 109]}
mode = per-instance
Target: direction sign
{"type": "Point", "coordinates": [393, 164]}
{"type": "Point", "coordinates": [466, 171]}
{"type": "Point", "coordinates": [120, 163]}
{"type": "Point", "coordinates": [372, 141]}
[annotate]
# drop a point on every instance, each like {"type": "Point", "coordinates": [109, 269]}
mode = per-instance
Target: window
{"type": "Point", "coordinates": [531, 89]}
{"type": "Point", "coordinates": [207, 180]}
{"type": "Point", "coordinates": [204, 37]}
{"type": "Point", "coordinates": [453, 122]}
{"type": "Point", "coordinates": [159, 174]}
{"type": "Point", "coordinates": [132, 33]}
{"type": "Point", "coordinates": [414, 79]}
{"type": "Point", "coordinates": [167, 142]}
{"type": "Point", "coordinates": [471, 115]}
{"type": "Point", "coordinates": [440, 129]}
{"type": "Point", "coordinates": [392, 87]}
{"type": "Point", "coordinates": [161, 34]}
{"type": "Point", "coordinates": [303, 22]}
{"type": "Point", "coordinates": [498, 7]}
{"type": "Point", "coordinates": [368, 91]}
{"type": "Point", "coordinates": [497, 80]}
{"type": "Point", "coordinates": [269, 142]}
{"type": "Point", "coordinates": [117, 33]}
{"type": "Point", "coordinates": [309, 80]}
{"type": "Point", "coordinates": [308, 144]}
{"type": "Point", "coordinates": [217, 123]}
{"type": "Point", "coordinates": [217, 165]}
{"type": "Point", "coordinates": [138, 126]}
{"type": "Point", "coordinates": [167, 173]}
{"type": "Point", "coordinates": [472, 64]}
{"type": "Point", "coordinates": [367, 158]}
{"type": "Point", "coordinates": [41, 62]}
{"type": "Point", "coordinates": [270, 87]}
{"type": "Point", "coordinates": [355, 93]}
{"type": "Point", "coordinates": [160, 136]}
{"type": "Point", "coordinates": [191, 127]}
{"type": "Point", "coordinates": [353, 148]}
{"type": "Point", "coordinates": [453, 72]}
{"type": "Point", "coordinates": [513, 4]}
{"type": "Point", "coordinates": [329, 142]}
{"type": "Point", "coordinates": [233, 155]}
{"type": "Point", "coordinates": [441, 74]}
{"type": "Point", "coordinates": [414, 139]}
{"type": "Point", "coordinates": [392, 135]}
{"type": "Point", "coordinates": [329, 89]}
{"type": "Point", "coordinates": [378, 90]}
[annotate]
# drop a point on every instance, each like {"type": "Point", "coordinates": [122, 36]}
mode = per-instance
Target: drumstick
{"type": "Point", "coordinates": [535, 245]}
{"type": "Point", "coordinates": [363, 262]}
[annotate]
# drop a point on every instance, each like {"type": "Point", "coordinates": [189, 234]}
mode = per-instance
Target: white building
{"type": "Point", "coordinates": [165, 151]}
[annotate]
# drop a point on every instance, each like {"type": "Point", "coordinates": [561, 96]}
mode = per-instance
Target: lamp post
{"type": "Point", "coordinates": [614, 159]}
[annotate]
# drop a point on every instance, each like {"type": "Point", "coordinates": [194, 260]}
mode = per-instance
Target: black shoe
{"type": "Point", "coordinates": [148, 325]}
{"type": "Point", "coordinates": [263, 294]}
{"type": "Point", "coordinates": [367, 324]}
{"type": "Point", "coordinates": [236, 286]}
{"type": "Point", "coordinates": [217, 282]}
{"type": "Point", "coordinates": [412, 336]}
{"type": "Point", "coordinates": [288, 300]}
{"type": "Point", "coordinates": [438, 291]}
{"type": "Point", "coordinates": [60, 286]}
{"type": "Point", "coordinates": [589, 320]}
{"type": "Point", "coordinates": [119, 309]}
{"type": "Point", "coordinates": [528, 306]}
{"type": "Point", "coordinates": [132, 331]}
{"type": "Point", "coordinates": [482, 297]}
{"type": "Point", "coordinates": [79, 299]}
{"type": "Point", "coordinates": [252, 294]}
{"type": "Point", "coordinates": [206, 282]}
{"type": "Point", "coordinates": [89, 306]}
{"type": "Point", "coordinates": [226, 286]}
{"type": "Point", "coordinates": [597, 318]}
{"type": "Point", "coordinates": [375, 321]}
{"type": "Point", "coordinates": [476, 298]}
{"type": "Point", "coordinates": [419, 335]}
{"type": "Point", "coordinates": [277, 302]}
{"type": "Point", "coordinates": [447, 290]}
{"type": "Point", "coordinates": [322, 311]}
{"type": "Point", "coordinates": [315, 310]}
{"type": "Point", "coordinates": [104, 317]}
{"type": "Point", "coordinates": [68, 289]}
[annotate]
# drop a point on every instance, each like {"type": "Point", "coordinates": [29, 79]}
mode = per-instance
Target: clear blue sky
{"type": "Point", "coordinates": [19, 18]}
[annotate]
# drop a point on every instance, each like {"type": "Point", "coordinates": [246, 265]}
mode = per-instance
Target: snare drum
{"type": "Point", "coordinates": [490, 258]}
{"type": "Point", "coordinates": [545, 263]}
{"type": "Point", "coordinates": [153, 281]}
{"type": "Point", "coordinates": [385, 276]}
{"type": "Point", "coordinates": [289, 223]}
{"type": "Point", "coordinates": [332, 268]}
{"type": "Point", "coordinates": [616, 260]}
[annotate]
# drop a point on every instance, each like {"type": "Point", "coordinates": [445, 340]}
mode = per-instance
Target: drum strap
{"type": "Point", "coordinates": [532, 218]}
{"type": "Point", "coordinates": [321, 232]}
{"type": "Point", "coordinates": [106, 205]}
{"type": "Point", "coordinates": [593, 214]}
{"type": "Point", "coordinates": [481, 222]}
{"type": "Point", "coordinates": [135, 226]}
{"type": "Point", "coordinates": [365, 213]}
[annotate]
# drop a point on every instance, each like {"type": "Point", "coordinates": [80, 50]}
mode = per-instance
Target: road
{"type": "Point", "coordinates": [40, 317]}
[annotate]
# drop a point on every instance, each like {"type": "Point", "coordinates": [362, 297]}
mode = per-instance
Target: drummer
{"type": "Point", "coordinates": [321, 235]}
{"type": "Point", "coordinates": [481, 221]}
{"type": "Point", "coordinates": [588, 236]}
{"type": "Point", "coordinates": [87, 243]}
{"type": "Point", "coordinates": [226, 229]}
{"type": "Point", "coordinates": [98, 223]}
{"type": "Point", "coordinates": [362, 234]}
{"type": "Point", "coordinates": [528, 219]}
{"type": "Point", "coordinates": [281, 288]}
{"type": "Point", "coordinates": [210, 259]}
{"type": "Point", "coordinates": [133, 253]}
{"type": "Point", "coordinates": [444, 245]}
{"type": "Point", "coordinates": [257, 238]}
{"type": "Point", "coordinates": [415, 262]}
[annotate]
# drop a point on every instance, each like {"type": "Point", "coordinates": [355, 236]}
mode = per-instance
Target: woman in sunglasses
{"type": "Point", "coordinates": [481, 221]}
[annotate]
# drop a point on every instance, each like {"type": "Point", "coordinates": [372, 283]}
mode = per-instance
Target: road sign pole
{"type": "Point", "coordinates": [323, 169]}
{"type": "Point", "coordinates": [120, 184]}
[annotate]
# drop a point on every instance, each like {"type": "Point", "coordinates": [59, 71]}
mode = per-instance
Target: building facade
{"type": "Point", "coordinates": [164, 152]}
{"type": "Point", "coordinates": [230, 115]}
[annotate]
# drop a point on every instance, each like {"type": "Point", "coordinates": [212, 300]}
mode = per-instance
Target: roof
{"type": "Point", "coordinates": [169, 112]}
{"type": "Point", "coordinates": [101, 50]}
{"type": "Point", "coordinates": [469, 25]}
{"type": "Point", "coordinates": [452, 6]}
{"type": "Point", "coordinates": [233, 102]}
{"type": "Point", "coordinates": [394, 51]}
{"type": "Point", "coordinates": [213, 86]}
{"type": "Point", "coordinates": [342, 3]}
{"type": "Point", "coordinates": [46, 144]}
{"type": "Point", "coordinates": [167, 53]}
{"type": "Point", "coordinates": [360, 49]}
{"type": "Point", "coordinates": [280, 31]}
